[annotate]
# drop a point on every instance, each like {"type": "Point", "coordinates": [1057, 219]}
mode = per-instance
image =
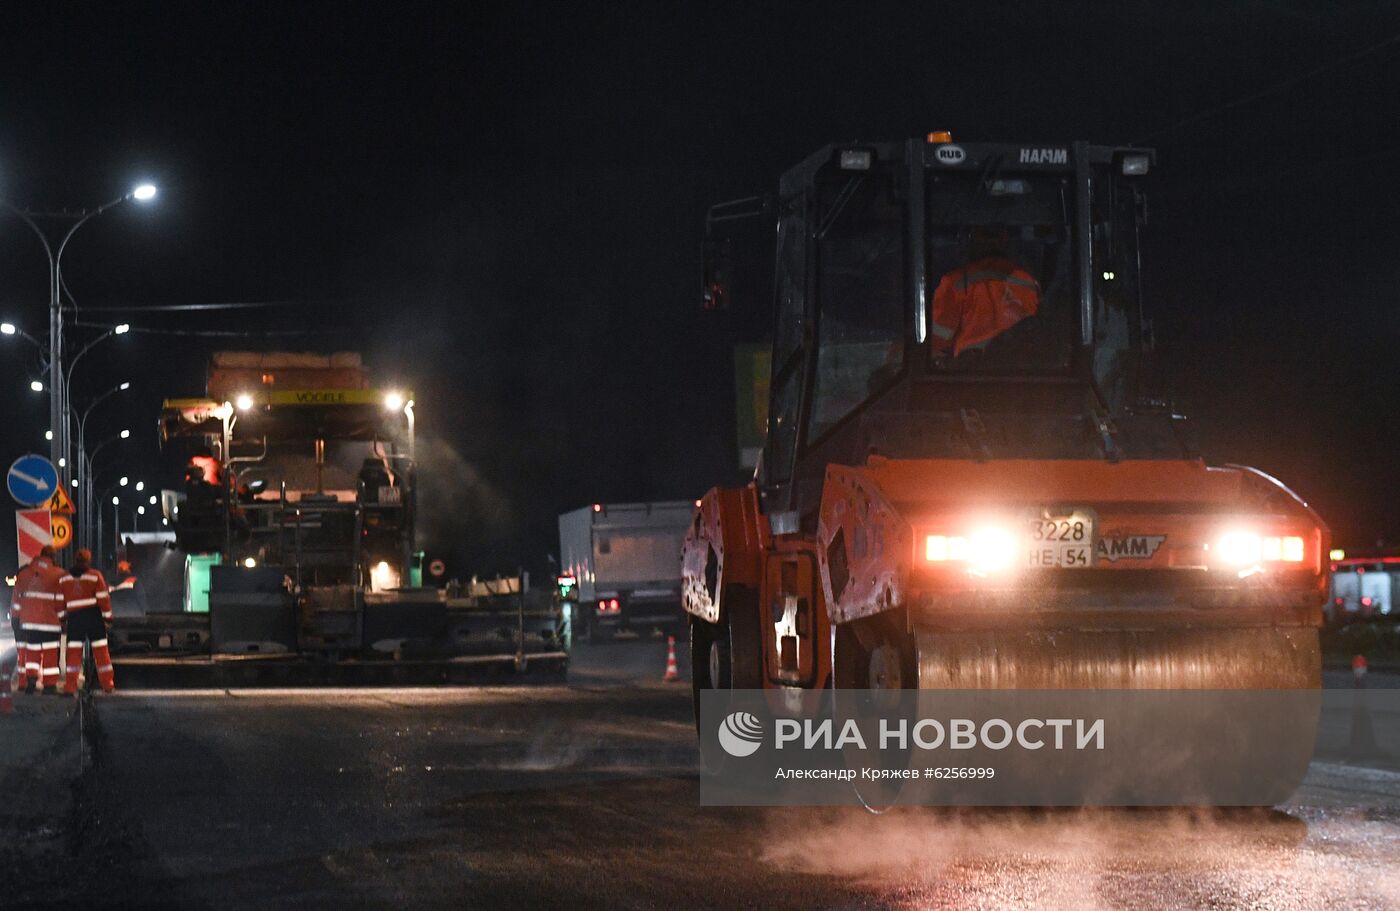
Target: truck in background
{"type": "Point", "coordinates": [626, 560]}
{"type": "Point", "coordinates": [1363, 588]}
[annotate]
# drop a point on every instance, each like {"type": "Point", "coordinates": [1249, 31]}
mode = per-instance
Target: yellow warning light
{"type": "Point", "coordinates": [940, 136]}
{"type": "Point", "coordinates": [1337, 553]}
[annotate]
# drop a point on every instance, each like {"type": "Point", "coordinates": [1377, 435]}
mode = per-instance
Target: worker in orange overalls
{"type": "Point", "coordinates": [975, 303]}
{"type": "Point", "coordinates": [88, 611]}
{"type": "Point", "coordinates": [21, 646]}
{"type": "Point", "coordinates": [128, 578]}
{"type": "Point", "coordinates": [39, 591]}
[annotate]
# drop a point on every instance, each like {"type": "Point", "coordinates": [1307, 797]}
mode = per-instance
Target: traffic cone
{"type": "Point", "coordinates": [673, 673]}
{"type": "Point", "coordinates": [1362, 743]}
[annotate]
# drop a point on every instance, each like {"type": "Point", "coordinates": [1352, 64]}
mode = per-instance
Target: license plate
{"type": "Point", "coordinates": [1064, 540]}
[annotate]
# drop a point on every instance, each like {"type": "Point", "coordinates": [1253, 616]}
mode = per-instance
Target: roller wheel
{"type": "Point", "coordinates": [724, 656]}
{"type": "Point", "coordinates": [874, 673]}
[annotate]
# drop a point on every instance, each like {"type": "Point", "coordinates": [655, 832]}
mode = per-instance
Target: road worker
{"type": "Point", "coordinates": [39, 592]}
{"type": "Point", "coordinates": [87, 613]}
{"type": "Point", "coordinates": [127, 577]}
{"type": "Point", "coordinates": [975, 303]}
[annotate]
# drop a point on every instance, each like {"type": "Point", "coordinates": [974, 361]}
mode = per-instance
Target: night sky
{"type": "Point", "coordinates": [502, 206]}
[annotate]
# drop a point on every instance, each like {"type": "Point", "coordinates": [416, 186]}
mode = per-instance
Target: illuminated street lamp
{"type": "Point", "coordinates": [119, 329]}
{"type": "Point", "coordinates": [90, 504]}
{"type": "Point", "coordinates": [36, 386]}
{"type": "Point", "coordinates": [58, 447]}
{"type": "Point", "coordinates": [83, 480]}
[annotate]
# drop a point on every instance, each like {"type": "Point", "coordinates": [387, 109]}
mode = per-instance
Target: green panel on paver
{"type": "Point", "coordinates": [197, 581]}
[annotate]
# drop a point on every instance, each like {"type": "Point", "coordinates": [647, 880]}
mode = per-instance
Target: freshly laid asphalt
{"type": "Point", "coordinates": [585, 795]}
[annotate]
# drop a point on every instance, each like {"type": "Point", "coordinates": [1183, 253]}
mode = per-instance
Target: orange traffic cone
{"type": "Point", "coordinates": [1362, 743]}
{"type": "Point", "coordinates": [673, 673]}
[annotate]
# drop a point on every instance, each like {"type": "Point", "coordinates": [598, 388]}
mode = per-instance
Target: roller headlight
{"type": "Point", "coordinates": [1245, 549]}
{"type": "Point", "coordinates": [1240, 548]}
{"type": "Point", "coordinates": [991, 549]}
{"type": "Point", "coordinates": [986, 549]}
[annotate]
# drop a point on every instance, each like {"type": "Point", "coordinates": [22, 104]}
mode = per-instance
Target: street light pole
{"type": "Point", "coordinates": [84, 475]}
{"type": "Point", "coordinates": [91, 474]}
{"type": "Point", "coordinates": [119, 329]}
{"type": "Point", "coordinates": [58, 446]}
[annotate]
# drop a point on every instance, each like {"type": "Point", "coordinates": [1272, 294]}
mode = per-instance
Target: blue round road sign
{"type": "Point", "coordinates": [32, 480]}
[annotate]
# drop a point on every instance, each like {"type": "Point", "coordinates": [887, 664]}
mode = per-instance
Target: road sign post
{"type": "Point", "coordinates": [60, 530]}
{"type": "Point", "coordinates": [32, 480]}
{"type": "Point", "coordinates": [32, 532]}
{"type": "Point", "coordinates": [60, 503]}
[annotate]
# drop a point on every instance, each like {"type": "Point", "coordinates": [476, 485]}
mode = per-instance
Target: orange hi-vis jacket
{"type": "Point", "coordinates": [977, 302]}
{"type": "Point", "coordinates": [39, 593]}
{"type": "Point", "coordinates": [86, 591]}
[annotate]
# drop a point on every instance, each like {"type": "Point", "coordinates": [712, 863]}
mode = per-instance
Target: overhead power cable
{"type": "Point", "coordinates": [229, 333]}
{"type": "Point", "coordinates": [228, 305]}
{"type": "Point", "coordinates": [1273, 89]}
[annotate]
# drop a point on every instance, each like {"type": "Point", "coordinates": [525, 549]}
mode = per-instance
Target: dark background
{"type": "Point", "coordinates": [502, 207]}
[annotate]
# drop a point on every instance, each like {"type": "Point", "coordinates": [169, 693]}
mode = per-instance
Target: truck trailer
{"type": "Point", "coordinates": [625, 558]}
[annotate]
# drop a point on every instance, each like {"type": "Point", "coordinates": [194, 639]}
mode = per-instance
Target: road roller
{"type": "Point", "coordinates": [971, 478]}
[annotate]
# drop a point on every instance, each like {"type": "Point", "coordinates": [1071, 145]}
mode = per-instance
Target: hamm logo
{"type": "Point", "coordinates": [741, 734]}
{"type": "Point", "coordinates": [1131, 547]}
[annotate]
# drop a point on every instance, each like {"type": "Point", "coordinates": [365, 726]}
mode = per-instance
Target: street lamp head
{"type": "Point", "coordinates": [153, 499]}
{"type": "Point", "coordinates": [124, 387]}
{"type": "Point", "coordinates": [121, 328]}
{"type": "Point", "coordinates": [144, 193]}
{"type": "Point", "coordinates": [116, 501]}
{"type": "Point", "coordinates": [7, 329]}
{"type": "Point", "coordinates": [244, 401]}
{"type": "Point", "coordinates": [124, 480]}
{"type": "Point", "coordinates": [124, 434]}
{"type": "Point", "coordinates": [140, 510]}
{"type": "Point", "coordinates": [140, 485]}
{"type": "Point", "coordinates": [36, 385]}
{"type": "Point", "coordinates": [48, 434]}
{"type": "Point", "coordinates": [393, 401]}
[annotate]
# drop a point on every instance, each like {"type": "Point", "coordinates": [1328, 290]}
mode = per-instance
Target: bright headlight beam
{"type": "Point", "coordinates": [991, 548]}
{"type": "Point", "coordinates": [1240, 548]}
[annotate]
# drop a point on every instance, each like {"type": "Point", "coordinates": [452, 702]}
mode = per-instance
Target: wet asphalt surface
{"type": "Point", "coordinates": [586, 796]}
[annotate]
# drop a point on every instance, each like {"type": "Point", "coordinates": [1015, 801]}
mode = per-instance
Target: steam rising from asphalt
{"type": "Point", "coordinates": [1096, 858]}
{"type": "Point", "coordinates": [455, 503]}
